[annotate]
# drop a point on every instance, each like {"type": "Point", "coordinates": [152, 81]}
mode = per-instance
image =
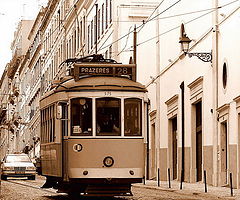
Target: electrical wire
{"type": "Point", "coordinates": [142, 25]}
{"type": "Point", "coordinates": [177, 27]}
{"type": "Point", "coordinates": [212, 9]}
{"type": "Point", "coordinates": [125, 42]}
{"type": "Point", "coordinates": [138, 27]}
{"type": "Point", "coordinates": [151, 14]}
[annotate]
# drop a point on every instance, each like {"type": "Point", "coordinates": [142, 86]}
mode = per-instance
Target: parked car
{"type": "Point", "coordinates": [17, 165]}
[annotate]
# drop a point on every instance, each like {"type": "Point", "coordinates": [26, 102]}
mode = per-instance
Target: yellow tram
{"type": "Point", "coordinates": [92, 129]}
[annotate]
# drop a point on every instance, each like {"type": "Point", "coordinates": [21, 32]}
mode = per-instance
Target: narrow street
{"type": "Point", "coordinates": [23, 189]}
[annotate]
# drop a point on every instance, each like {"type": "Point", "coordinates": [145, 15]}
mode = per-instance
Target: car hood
{"type": "Point", "coordinates": [18, 164]}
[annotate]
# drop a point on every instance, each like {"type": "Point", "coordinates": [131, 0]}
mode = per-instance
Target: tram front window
{"type": "Point", "coordinates": [108, 111]}
{"type": "Point", "coordinates": [132, 117]}
{"type": "Point", "coordinates": [81, 117]}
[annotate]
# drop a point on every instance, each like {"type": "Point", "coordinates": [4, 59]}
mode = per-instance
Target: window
{"type": "Point", "coordinates": [48, 124]}
{"type": "Point", "coordinates": [88, 38]}
{"type": "Point", "coordinates": [110, 9]}
{"type": "Point", "coordinates": [108, 117]}
{"type": "Point", "coordinates": [106, 14]}
{"type": "Point", "coordinates": [103, 18]}
{"type": "Point", "coordinates": [91, 33]}
{"type": "Point", "coordinates": [64, 119]}
{"type": "Point", "coordinates": [80, 39]}
{"type": "Point", "coordinates": [224, 75]}
{"type": "Point", "coordinates": [133, 117]}
{"type": "Point", "coordinates": [84, 28]}
{"type": "Point", "coordinates": [98, 24]}
{"type": "Point", "coordinates": [81, 117]}
{"type": "Point", "coordinates": [74, 40]}
{"type": "Point", "coordinates": [95, 29]}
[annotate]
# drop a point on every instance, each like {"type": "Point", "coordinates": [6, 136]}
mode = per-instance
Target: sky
{"type": "Point", "coordinates": [11, 12]}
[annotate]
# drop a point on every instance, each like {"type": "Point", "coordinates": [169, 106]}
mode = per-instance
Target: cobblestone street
{"type": "Point", "coordinates": [20, 189]}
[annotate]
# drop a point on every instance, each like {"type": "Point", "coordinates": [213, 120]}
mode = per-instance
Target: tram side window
{"type": "Point", "coordinates": [133, 117]}
{"type": "Point", "coordinates": [48, 125]}
{"type": "Point", "coordinates": [108, 116]}
{"type": "Point", "coordinates": [81, 117]}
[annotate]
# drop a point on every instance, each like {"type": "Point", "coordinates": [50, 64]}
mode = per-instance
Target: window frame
{"type": "Point", "coordinates": [122, 117]}
{"type": "Point", "coordinates": [71, 121]}
{"type": "Point", "coordinates": [110, 134]}
{"type": "Point", "coordinates": [140, 123]}
{"type": "Point", "coordinates": [48, 122]}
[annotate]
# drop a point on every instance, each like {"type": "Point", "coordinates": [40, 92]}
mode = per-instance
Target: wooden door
{"type": "Point", "coordinates": [224, 152]}
{"type": "Point", "coordinates": [199, 141]}
{"type": "Point", "coordinates": [174, 147]}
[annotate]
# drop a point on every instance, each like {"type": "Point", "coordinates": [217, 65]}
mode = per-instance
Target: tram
{"type": "Point", "coordinates": [93, 125]}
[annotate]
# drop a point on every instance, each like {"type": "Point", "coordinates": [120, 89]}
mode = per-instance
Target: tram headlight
{"type": "Point", "coordinates": [8, 168]}
{"type": "Point", "coordinates": [131, 172]}
{"type": "Point", "coordinates": [31, 168]}
{"type": "Point", "coordinates": [85, 173]}
{"type": "Point", "coordinates": [108, 161]}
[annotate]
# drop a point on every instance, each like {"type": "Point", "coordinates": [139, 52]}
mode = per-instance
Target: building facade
{"type": "Point", "coordinates": [64, 29]}
{"type": "Point", "coordinates": [194, 116]}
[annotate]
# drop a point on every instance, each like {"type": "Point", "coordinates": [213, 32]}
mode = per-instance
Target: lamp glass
{"type": "Point", "coordinates": [185, 46]}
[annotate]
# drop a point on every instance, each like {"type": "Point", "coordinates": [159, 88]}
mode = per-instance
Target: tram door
{"type": "Point", "coordinates": [64, 132]}
{"type": "Point", "coordinates": [199, 140]}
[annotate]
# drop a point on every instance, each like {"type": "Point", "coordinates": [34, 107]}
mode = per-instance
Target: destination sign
{"type": "Point", "coordinates": [105, 70]}
{"type": "Point", "coordinates": [95, 70]}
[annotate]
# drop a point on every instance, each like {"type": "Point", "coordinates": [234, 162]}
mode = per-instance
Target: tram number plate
{"type": "Point", "coordinates": [123, 71]}
{"type": "Point", "coordinates": [108, 93]}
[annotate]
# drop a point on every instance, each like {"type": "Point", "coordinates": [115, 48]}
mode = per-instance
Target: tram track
{"type": "Point", "coordinates": [62, 196]}
{"type": "Point", "coordinates": [30, 186]}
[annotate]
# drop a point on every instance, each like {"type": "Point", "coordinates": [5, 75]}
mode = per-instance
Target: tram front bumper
{"type": "Point", "coordinates": [106, 173]}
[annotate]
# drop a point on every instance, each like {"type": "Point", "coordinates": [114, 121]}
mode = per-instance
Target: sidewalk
{"type": "Point", "coordinates": [191, 188]}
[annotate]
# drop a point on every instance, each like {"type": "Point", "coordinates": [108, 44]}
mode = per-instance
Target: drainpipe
{"type": "Point", "coordinates": [183, 129]}
{"type": "Point", "coordinates": [157, 125]}
{"type": "Point", "coordinates": [147, 167]}
{"type": "Point", "coordinates": [215, 93]}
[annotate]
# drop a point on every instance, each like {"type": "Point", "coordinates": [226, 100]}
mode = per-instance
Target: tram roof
{"type": "Point", "coordinates": [98, 83]}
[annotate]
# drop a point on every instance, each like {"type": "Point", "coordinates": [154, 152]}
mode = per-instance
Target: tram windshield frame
{"type": "Point", "coordinates": [106, 116]}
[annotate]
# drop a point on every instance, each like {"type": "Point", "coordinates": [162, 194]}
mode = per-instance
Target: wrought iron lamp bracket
{"type": "Point", "coordinates": [205, 57]}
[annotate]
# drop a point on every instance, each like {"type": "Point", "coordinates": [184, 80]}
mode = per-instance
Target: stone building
{"type": "Point", "coordinates": [10, 90]}
{"type": "Point", "coordinates": [63, 30]}
{"type": "Point", "coordinates": [194, 115]}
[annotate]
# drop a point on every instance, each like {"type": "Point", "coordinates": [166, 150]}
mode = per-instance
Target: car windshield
{"type": "Point", "coordinates": [17, 158]}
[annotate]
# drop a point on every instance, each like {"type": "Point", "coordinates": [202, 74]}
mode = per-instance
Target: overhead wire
{"type": "Point", "coordinates": [125, 42]}
{"type": "Point", "coordinates": [174, 28]}
{"type": "Point", "coordinates": [101, 48]}
{"type": "Point", "coordinates": [196, 18]}
{"type": "Point", "coordinates": [152, 14]}
{"type": "Point", "coordinates": [142, 25]}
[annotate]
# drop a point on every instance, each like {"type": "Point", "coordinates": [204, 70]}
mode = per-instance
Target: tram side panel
{"type": "Point", "coordinates": [51, 148]}
{"type": "Point", "coordinates": [86, 158]}
{"type": "Point", "coordinates": [51, 159]}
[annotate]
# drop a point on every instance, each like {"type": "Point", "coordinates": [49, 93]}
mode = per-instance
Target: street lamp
{"type": "Point", "coordinates": [185, 41]}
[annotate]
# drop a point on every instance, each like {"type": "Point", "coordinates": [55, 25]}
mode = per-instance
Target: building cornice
{"type": "Point", "coordinates": [223, 108]}
{"type": "Point", "coordinates": [47, 15]}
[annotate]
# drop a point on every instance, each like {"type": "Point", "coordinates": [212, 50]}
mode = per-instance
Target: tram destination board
{"type": "Point", "coordinates": [105, 70]}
